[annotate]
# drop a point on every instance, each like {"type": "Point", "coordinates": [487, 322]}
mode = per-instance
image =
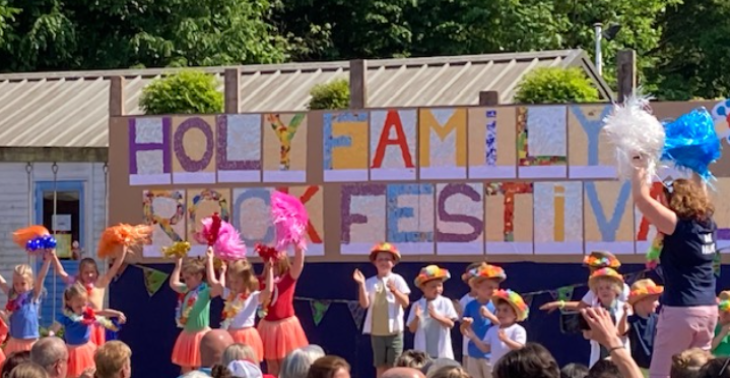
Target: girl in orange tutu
{"type": "Point", "coordinates": [192, 313]}
{"type": "Point", "coordinates": [23, 305]}
{"type": "Point", "coordinates": [3, 335]}
{"type": "Point", "coordinates": [242, 299]}
{"type": "Point", "coordinates": [95, 285]}
{"type": "Point", "coordinates": [77, 319]}
{"type": "Point", "coordinates": [280, 329]}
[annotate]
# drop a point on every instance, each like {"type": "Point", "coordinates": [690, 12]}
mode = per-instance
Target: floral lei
{"type": "Point", "coordinates": [185, 303]}
{"type": "Point", "coordinates": [88, 317]}
{"type": "Point", "coordinates": [16, 301]}
{"type": "Point", "coordinates": [233, 305]}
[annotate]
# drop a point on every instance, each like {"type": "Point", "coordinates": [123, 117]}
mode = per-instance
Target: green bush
{"type": "Point", "coordinates": [334, 95]}
{"type": "Point", "coordinates": [185, 92]}
{"type": "Point", "coordinates": [556, 85]}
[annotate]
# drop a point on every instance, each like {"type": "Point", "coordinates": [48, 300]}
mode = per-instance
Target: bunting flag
{"type": "Point", "coordinates": [528, 300]}
{"type": "Point", "coordinates": [153, 279]}
{"type": "Point", "coordinates": [633, 277]}
{"type": "Point", "coordinates": [319, 308]}
{"type": "Point", "coordinates": [565, 293]}
{"type": "Point", "coordinates": [717, 263]}
{"type": "Point", "coordinates": [357, 312]}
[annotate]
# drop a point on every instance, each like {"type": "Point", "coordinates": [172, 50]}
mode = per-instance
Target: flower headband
{"type": "Point", "coordinates": [607, 272]}
{"type": "Point", "coordinates": [604, 261]}
{"type": "Point", "coordinates": [515, 300]}
{"type": "Point", "coordinates": [431, 272]}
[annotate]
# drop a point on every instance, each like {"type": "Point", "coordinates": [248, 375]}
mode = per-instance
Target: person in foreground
{"type": "Point", "coordinates": [113, 360]}
{"type": "Point", "coordinates": [51, 354]}
{"type": "Point", "coordinates": [212, 346]}
{"type": "Point", "coordinates": [403, 372]}
{"type": "Point", "coordinates": [28, 370]}
{"type": "Point", "coordinates": [686, 239]}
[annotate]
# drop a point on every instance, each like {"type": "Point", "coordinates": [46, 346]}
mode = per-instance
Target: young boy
{"type": "Point", "coordinates": [384, 295]}
{"type": "Point", "coordinates": [509, 335]}
{"type": "Point", "coordinates": [471, 271]}
{"type": "Point", "coordinates": [479, 316]}
{"type": "Point", "coordinates": [644, 300]}
{"type": "Point", "coordinates": [721, 342]}
{"type": "Point", "coordinates": [433, 316]}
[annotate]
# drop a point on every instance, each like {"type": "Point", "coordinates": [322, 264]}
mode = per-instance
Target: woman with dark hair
{"type": "Point", "coordinates": [716, 368]}
{"type": "Point", "coordinates": [329, 367]}
{"type": "Point", "coordinates": [530, 361]}
{"type": "Point", "coordinates": [684, 222]}
{"type": "Point", "coordinates": [14, 359]}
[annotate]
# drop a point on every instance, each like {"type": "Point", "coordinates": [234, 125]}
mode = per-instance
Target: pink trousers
{"type": "Point", "coordinates": [679, 329]}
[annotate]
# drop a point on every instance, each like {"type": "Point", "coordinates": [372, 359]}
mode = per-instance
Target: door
{"type": "Point", "coordinates": [68, 227]}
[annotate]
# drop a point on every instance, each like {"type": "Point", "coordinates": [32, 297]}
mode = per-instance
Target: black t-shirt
{"type": "Point", "coordinates": [686, 259]}
{"type": "Point", "coordinates": [641, 336]}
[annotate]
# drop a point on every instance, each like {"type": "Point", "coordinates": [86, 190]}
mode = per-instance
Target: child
{"type": "Point", "coordinates": [385, 296]}
{"type": "Point", "coordinates": [192, 313]}
{"type": "Point", "coordinates": [721, 342]}
{"type": "Point", "coordinates": [78, 319]}
{"type": "Point", "coordinates": [509, 335]}
{"type": "Point", "coordinates": [468, 297]}
{"type": "Point", "coordinates": [23, 305]}
{"type": "Point", "coordinates": [280, 329]}
{"type": "Point", "coordinates": [242, 300]}
{"type": "Point", "coordinates": [479, 316]}
{"type": "Point", "coordinates": [433, 316]}
{"type": "Point", "coordinates": [644, 299]}
{"type": "Point", "coordinates": [95, 285]}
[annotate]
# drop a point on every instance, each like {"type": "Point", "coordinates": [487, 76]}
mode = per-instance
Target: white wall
{"type": "Point", "coordinates": [16, 198]}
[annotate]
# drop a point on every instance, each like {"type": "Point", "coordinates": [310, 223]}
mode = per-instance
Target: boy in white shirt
{"type": "Point", "coordinates": [433, 316]}
{"type": "Point", "coordinates": [508, 335]}
{"type": "Point", "coordinates": [384, 295]}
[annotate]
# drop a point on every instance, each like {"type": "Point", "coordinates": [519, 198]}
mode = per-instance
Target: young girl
{"type": "Point", "coordinates": [644, 300]}
{"type": "Point", "coordinates": [433, 316]}
{"type": "Point", "coordinates": [23, 305]}
{"type": "Point", "coordinates": [192, 313]}
{"type": "Point", "coordinates": [242, 299]}
{"type": "Point", "coordinates": [78, 319]}
{"type": "Point", "coordinates": [280, 329]}
{"type": "Point", "coordinates": [95, 285]}
{"type": "Point", "coordinates": [509, 335]}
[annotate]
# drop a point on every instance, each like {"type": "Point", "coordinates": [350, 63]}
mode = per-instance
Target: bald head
{"type": "Point", "coordinates": [403, 372]}
{"type": "Point", "coordinates": [212, 346]}
{"type": "Point", "coordinates": [48, 352]}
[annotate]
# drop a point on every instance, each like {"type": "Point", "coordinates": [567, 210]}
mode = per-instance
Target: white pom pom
{"type": "Point", "coordinates": [634, 131]}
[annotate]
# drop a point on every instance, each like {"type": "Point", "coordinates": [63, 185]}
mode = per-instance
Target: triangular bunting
{"type": "Point", "coordinates": [633, 277]}
{"type": "Point", "coordinates": [153, 279]}
{"type": "Point", "coordinates": [565, 293]}
{"type": "Point", "coordinates": [528, 300]}
{"type": "Point", "coordinates": [717, 263]}
{"type": "Point", "coordinates": [357, 312]}
{"type": "Point", "coordinates": [553, 294]}
{"type": "Point", "coordinates": [319, 308]}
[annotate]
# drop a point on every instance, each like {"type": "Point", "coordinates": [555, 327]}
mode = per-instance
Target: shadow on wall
{"type": "Point", "coordinates": [151, 330]}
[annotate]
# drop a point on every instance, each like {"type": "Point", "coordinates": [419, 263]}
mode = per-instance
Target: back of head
{"type": "Point", "coordinates": [237, 352]}
{"type": "Point", "coordinates": [413, 359]}
{"type": "Point", "coordinates": [220, 371]}
{"type": "Point", "coordinates": [327, 366]}
{"type": "Point", "coordinates": [195, 374]}
{"type": "Point", "coordinates": [432, 366]}
{"type": "Point", "coordinates": [111, 358]}
{"type": "Point", "coordinates": [688, 363]}
{"type": "Point", "coordinates": [604, 369]}
{"type": "Point", "coordinates": [296, 364]}
{"type": "Point", "coordinates": [689, 201]}
{"type": "Point", "coordinates": [48, 351]}
{"type": "Point", "coordinates": [28, 370]}
{"type": "Point", "coordinates": [716, 368]}
{"type": "Point", "coordinates": [574, 371]}
{"type": "Point", "coordinates": [212, 346]}
{"type": "Point", "coordinates": [530, 361]}
{"type": "Point", "coordinates": [449, 372]}
{"type": "Point", "coordinates": [314, 352]}
{"type": "Point", "coordinates": [14, 359]}
{"type": "Point", "coordinates": [403, 372]}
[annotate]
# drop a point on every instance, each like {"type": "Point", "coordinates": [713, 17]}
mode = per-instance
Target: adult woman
{"type": "Point", "coordinates": [329, 367]}
{"type": "Point", "coordinates": [689, 312]}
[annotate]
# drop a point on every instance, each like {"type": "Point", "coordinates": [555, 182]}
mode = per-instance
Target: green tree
{"type": "Point", "coordinates": [7, 14]}
{"type": "Point", "coordinates": [185, 92]}
{"type": "Point", "coordinates": [556, 85]}
{"type": "Point", "coordinates": [330, 96]}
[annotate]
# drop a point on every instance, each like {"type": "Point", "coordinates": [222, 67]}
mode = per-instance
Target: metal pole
{"type": "Point", "coordinates": [598, 27]}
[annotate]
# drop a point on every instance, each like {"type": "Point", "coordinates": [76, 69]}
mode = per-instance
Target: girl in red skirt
{"type": "Point", "coordinates": [280, 329]}
{"type": "Point", "coordinates": [78, 320]}
{"type": "Point", "coordinates": [242, 299]}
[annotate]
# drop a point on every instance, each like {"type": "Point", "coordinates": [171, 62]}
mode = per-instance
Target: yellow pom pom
{"type": "Point", "coordinates": [178, 250]}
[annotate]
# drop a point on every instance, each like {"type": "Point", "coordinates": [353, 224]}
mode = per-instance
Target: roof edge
{"type": "Point", "coordinates": [579, 58]}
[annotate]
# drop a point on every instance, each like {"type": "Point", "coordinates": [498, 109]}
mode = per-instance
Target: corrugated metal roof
{"type": "Point", "coordinates": [70, 109]}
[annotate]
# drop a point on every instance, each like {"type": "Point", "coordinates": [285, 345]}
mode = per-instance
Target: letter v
{"type": "Point", "coordinates": [608, 228]}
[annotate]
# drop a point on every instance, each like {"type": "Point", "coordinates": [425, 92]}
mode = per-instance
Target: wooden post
{"type": "Point", "coordinates": [358, 84]}
{"type": "Point", "coordinates": [626, 60]}
{"type": "Point", "coordinates": [116, 96]}
{"type": "Point", "coordinates": [488, 98]}
{"type": "Point", "coordinates": [232, 93]}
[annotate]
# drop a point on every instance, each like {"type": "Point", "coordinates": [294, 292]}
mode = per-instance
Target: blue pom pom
{"type": "Point", "coordinates": [692, 143]}
{"type": "Point", "coordinates": [49, 242]}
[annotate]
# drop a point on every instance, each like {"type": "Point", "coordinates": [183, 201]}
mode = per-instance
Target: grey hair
{"type": "Point", "coordinates": [297, 363]}
{"type": "Point", "coordinates": [195, 374]}
{"type": "Point", "coordinates": [47, 351]}
{"type": "Point", "coordinates": [238, 352]}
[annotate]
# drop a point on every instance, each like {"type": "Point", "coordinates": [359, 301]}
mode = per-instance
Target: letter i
{"type": "Point", "coordinates": [559, 214]}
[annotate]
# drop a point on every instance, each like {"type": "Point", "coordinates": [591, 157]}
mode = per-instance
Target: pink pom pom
{"type": "Point", "coordinates": [291, 220]}
{"type": "Point", "coordinates": [228, 245]}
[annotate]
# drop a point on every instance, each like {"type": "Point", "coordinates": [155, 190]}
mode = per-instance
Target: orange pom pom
{"type": "Point", "coordinates": [122, 235]}
{"type": "Point", "coordinates": [23, 235]}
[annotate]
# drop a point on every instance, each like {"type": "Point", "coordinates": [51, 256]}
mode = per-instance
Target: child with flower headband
{"type": "Point", "coordinates": [78, 320]}
{"type": "Point", "coordinates": [238, 285]}
{"type": "Point", "coordinates": [280, 329]}
{"type": "Point", "coordinates": [478, 316]}
{"type": "Point", "coordinates": [509, 335]}
{"type": "Point", "coordinates": [721, 341]}
{"type": "Point", "coordinates": [192, 313]}
{"type": "Point", "coordinates": [642, 321]}
{"type": "Point", "coordinates": [469, 272]}
{"type": "Point", "coordinates": [385, 296]}
{"type": "Point", "coordinates": [22, 309]}
{"type": "Point", "coordinates": [432, 317]}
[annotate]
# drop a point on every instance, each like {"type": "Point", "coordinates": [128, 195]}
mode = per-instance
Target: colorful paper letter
{"type": "Point", "coordinates": [558, 218]}
{"type": "Point", "coordinates": [313, 199]}
{"type": "Point", "coordinates": [410, 217]}
{"type": "Point", "coordinates": [492, 148]}
{"type": "Point", "coordinates": [460, 219]}
{"type": "Point", "coordinates": [511, 233]}
{"type": "Point", "coordinates": [252, 217]}
{"type": "Point", "coordinates": [193, 145]}
{"type": "Point", "coordinates": [345, 146]}
{"type": "Point", "coordinates": [164, 210]}
{"type": "Point", "coordinates": [149, 151]}
{"type": "Point", "coordinates": [392, 145]}
{"type": "Point", "coordinates": [362, 209]}
{"type": "Point", "coordinates": [202, 203]}
{"type": "Point", "coordinates": [609, 223]}
{"type": "Point", "coordinates": [442, 148]}
{"type": "Point", "coordinates": [239, 148]}
{"type": "Point", "coordinates": [542, 141]}
{"type": "Point", "coordinates": [285, 147]}
{"type": "Point", "coordinates": [590, 153]}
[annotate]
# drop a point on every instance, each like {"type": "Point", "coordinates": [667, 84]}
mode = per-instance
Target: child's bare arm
{"type": "Point", "coordinates": [175, 283]}
{"type": "Point", "coordinates": [38, 288]}
{"type": "Point", "coordinates": [59, 268]}
{"type": "Point", "coordinates": [110, 313]}
{"type": "Point", "coordinates": [216, 287]}
{"type": "Point", "coordinates": [54, 328]}
{"type": "Point", "coordinates": [104, 280]}
{"type": "Point", "coordinates": [484, 347]}
{"type": "Point", "coordinates": [268, 283]}
{"type": "Point", "coordinates": [4, 285]}
{"type": "Point", "coordinates": [298, 265]}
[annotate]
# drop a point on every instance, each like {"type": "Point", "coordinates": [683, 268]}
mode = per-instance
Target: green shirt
{"type": "Point", "coordinates": [199, 318]}
{"type": "Point", "coordinates": [723, 349]}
